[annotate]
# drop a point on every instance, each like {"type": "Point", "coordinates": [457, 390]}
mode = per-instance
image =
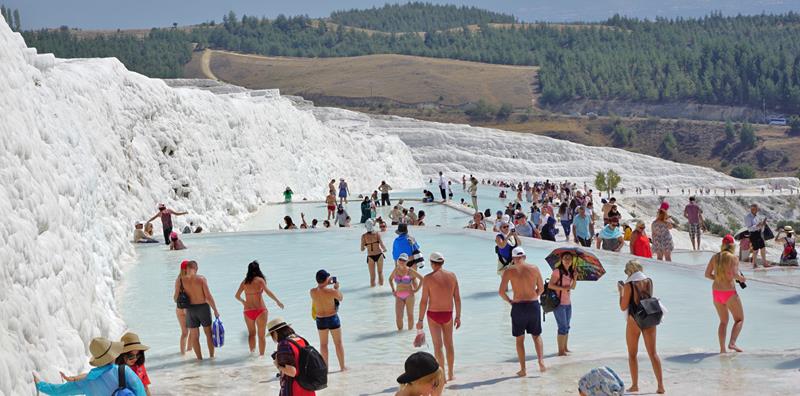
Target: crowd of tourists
{"type": "Point", "coordinates": [434, 298]}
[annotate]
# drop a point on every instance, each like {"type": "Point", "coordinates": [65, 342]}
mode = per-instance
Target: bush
{"type": "Point", "coordinates": [794, 126]}
{"type": "Point", "coordinates": [717, 229]}
{"type": "Point", "coordinates": [482, 111]}
{"type": "Point", "coordinates": [743, 172]}
{"type": "Point", "coordinates": [504, 111]}
{"type": "Point", "coordinates": [668, 146]}
{"type": "Point", "coordinates": [747, 136]}
{"type": "Point", "coordinates": [622, 136]}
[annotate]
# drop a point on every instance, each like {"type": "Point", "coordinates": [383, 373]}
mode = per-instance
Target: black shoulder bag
{"type": "Point", "coordinates": [182, 301]}
{"type": "Point", "coordinates": [647, 313]}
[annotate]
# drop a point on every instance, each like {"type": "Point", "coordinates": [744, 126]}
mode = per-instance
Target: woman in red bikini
{"type": "Point", "coordinates": [404, 282]}
{"type": "Point", "coordinates": [723, 269]}
{"type": "Point", "coordinates": [255, 311]}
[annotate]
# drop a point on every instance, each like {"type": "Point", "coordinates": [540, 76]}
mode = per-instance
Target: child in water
{"type": "Point", "coordinates": [175, 243]}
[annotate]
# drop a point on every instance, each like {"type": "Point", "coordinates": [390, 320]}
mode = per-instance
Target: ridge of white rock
{"type": "Point", "coordinates": [88, 147]}
{"type": "Point", "coordinates": [499, 155]}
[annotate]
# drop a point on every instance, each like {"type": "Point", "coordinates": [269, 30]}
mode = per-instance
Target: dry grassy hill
{"type": "Point", "coordinates": [401, 79]}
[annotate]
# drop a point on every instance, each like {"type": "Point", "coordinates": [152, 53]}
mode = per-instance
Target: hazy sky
{"type": "Point", "coordinates": [94, 14]}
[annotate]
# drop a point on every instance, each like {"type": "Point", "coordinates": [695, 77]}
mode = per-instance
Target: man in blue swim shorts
{"type": "Point", "coordinates": [325, 304]}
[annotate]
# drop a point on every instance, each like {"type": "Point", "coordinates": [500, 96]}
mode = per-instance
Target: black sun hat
{"type": "Point", "coordinates": [418, 365]}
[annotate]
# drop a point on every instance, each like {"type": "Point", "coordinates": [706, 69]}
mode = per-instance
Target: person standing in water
{"type": "Point", "coordinates": [365, 210]}
{"type": "Point", "coordinates": [255, 311]}
{"type": "Point", "coordinates": [527, 285]}
{"type": "Point", "coordinates": [287, 195]}
{"type": "Point", "coordinates": [631, 292]}
{"type": "Point", "coordinates": [372, 242]}
{"type": "Point", "coordinates": [404, 282]}
{"type": "Point", "coordinates": [180, 313]}
{"type": "Point", "coordinates": [723, 269]}
{"type": "Point", "coordinates": [166, 220]}
{"type": "Point", "coordinates": [443, 186]}
{"type": "Point", "coordinates": [473, 193]}
{"type": "Point", "coordinates": [325, 302]}
{"type": "Point", "coordinates": [201, 303]}
{"type": "Point", "coordinates": [384, 189]}
{"type": "Point", "coordinates": [344, 191]}
{"type": "Point", "coordinates": [341, 216]}
{"type": "Point", "coordinates": [439, 295]}
{"type": "Point", "coordinates": [755, 223]}
{"type": "Point", "coordinates": [330, 203]}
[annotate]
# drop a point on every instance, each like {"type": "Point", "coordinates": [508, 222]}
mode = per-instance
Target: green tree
{"type": "Point", "coordinates": [612, 180]}
{"type": "Point", "coordinates": [600, 181]}
{"type": "Point", "coordinates": [794, 126]}
{"type": "Point", "coordinates": [747, 136]}
{"type": "Point", "coordinates": [743, 172]}
{"type": "Point", "coordinates": [730, 131]}
{"type": "Point", "coordinates": [17, 21]}
{"type": "Point", "coordinates": [504, 111]}
{"type": "Point", "coordinates": [481, 111]}
{"type": "Point", "coordinates": [622, 136]}
{"type": "Point", "coordinates": [669, 146]}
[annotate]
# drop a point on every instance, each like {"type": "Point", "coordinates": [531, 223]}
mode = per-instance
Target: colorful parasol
{"type": "Point", "coordinates": [587, 265]}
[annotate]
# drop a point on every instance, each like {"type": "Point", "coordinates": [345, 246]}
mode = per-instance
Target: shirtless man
{"type": "Point", "coordinates": [166, 220]}
{"type": "Point", "coordinates": [332, 186]}
{"type": "Point", "coordinates": [526, 282]}
{"type": "Point", "coordinates": [330, 201]}
{"type": "Point", "coordinates": [198, 312]}
{"type": "Point", "coordinates": [325, 302]}
{"type": "Point", "coordinates": [439, 294]}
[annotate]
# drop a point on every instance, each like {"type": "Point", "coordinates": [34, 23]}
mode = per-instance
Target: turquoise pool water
{"type": "Point", "coordinates": [289, 259]}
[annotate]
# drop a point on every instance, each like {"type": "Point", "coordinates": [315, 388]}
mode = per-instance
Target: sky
{"type": "Point", "coordinates": [113, 14]}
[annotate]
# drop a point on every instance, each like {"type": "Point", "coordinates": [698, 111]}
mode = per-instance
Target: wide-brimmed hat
{"type": "Point", "coordinates": [788, 229]}
{"type": "Point", "coordinates": [402, 229]}
{"type": "Point", "coordinates": [130, 342]}
{"type": "Point", "coordinates": [104, 351]}
{"type": "Point", "coordinates": [276, 324]}
{"type": "Point", "coordinates": [418, 365]}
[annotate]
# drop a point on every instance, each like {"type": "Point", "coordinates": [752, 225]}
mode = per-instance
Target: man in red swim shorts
{"type": "Point", "coordinates": [439, 295]}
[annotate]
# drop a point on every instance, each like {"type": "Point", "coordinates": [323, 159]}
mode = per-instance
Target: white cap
{"type": "Point", "coordinates": [518, 252]}
{"type": "Point", "coordinates": [403, 257]}
{"type": "Point", "coordinates": [506, 218]}
{"type": "Point", "coordinates": [436, 257]}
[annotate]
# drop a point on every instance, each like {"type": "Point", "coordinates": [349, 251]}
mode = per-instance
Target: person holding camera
{"type": "Point", "coordinates": [723, 269]}
{"type": "Point", "coordinates": [325, 304]}
{"type": "Point", "coordinates": [632, 291]}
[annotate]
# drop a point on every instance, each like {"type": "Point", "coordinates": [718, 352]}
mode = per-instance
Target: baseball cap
{"type": "Point", "coordinates": [728, 240]}
{"type": "Point", "coordinates": [322, 276]}
{"type": "Point", "coordinates": [518, 252]}
{"type": "Point", "coordinates": [418, 365]}
{"type": "Point", "coordinates": [436, 257]}
{"type": "Point", "coordinates": [664, 205]}
{"type": "Point", "coordinates": [403, 257]}
{"type": "Point", "coordinates": [519, 215]}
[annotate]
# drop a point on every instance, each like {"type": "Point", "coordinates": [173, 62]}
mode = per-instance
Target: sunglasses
{"type": "Point", "coordinates": [131, 356]}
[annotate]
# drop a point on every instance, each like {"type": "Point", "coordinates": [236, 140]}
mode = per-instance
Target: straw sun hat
{"type": "Point", "coordinates": [130, 342]}
{"type": "Point", "coordinates": [104, 351]}
{"type": "Point", "coordinates": [276, 324]}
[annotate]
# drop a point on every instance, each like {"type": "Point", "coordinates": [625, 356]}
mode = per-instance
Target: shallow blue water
{"type": "Point", "coordinates": [290, 260]}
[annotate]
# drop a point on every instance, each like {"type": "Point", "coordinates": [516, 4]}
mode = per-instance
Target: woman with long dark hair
{"type": "Point", "coordinates": [255, 311]}
{"type": "Point", "coordinates": [180, 313]}
{"type": "Point", "coordinates": [287, 357]}
{"type": "Point", "coordinates": [563, 281]}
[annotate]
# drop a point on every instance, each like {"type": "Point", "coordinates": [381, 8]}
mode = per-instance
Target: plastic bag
{"type": "Point", "coordinates": [419, 340]}
{"type": "Point", "coordinates": [218, 333]}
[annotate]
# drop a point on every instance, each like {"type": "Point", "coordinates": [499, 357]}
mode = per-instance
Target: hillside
{"type": "Point", "coordinates": [390, 79]}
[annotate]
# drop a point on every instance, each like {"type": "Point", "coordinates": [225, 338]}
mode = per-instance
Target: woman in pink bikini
{"type": "Point", "coordinates": [404, 281]}
{"type": "Point", "coordinates": [255, 311]}
{"type": "Point", "coordinates": [723, 269]}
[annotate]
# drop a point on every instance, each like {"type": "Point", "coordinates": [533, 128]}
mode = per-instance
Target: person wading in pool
{"type": "Point", "coordinates": [325, 303]}
{"type": "Point", "coordinates": [526, 315]}
{"type": "Point", "coordinates": [166, 220]}
{"type": "Point", "coordinates": [439, 295]}
{"type": "Point", "coordinates": [255, 311]}
{"type": "Point", "coordinates": [199, 311]}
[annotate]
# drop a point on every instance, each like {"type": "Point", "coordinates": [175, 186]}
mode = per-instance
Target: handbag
{"type": "Point", "coordinates": [647, 313]}
{"type": "Point", "coordinates": [767, 233]}
{"type": "Point", "coordinates": [182, 301]}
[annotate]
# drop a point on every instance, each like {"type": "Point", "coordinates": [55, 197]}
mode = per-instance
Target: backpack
{"type": "Point", "coordinates": [550, 299]}
{"type": "Point", "coordinates": [647, 313]}
{"type": "Point", "coordinates": [122, 388]}
{"type": "Point", "coordinates": [218, 333]}
{"type": "Point", "coordinates": [312, 371]}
